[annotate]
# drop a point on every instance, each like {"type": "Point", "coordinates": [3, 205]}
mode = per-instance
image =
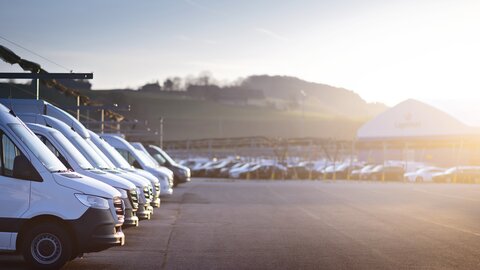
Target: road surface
{"type": "Point", "coordinates": [225, 224]}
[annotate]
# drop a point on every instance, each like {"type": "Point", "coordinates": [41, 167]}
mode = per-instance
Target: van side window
{"type": "Point", "coordinates": [9, 153]}
{"type": "Point", "coordinates": [54, 151]}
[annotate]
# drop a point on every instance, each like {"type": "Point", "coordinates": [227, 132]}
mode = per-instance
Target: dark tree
{"type": "Point", "coordinates": [168, 85]}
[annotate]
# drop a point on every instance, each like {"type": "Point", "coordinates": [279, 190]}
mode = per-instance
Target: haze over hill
{"type": "Point", "coordinates": [320, 97]}
{"type": "Point", "coordinates": [280, 92]}
{"type": "Point", "coordinates": [197, 108]}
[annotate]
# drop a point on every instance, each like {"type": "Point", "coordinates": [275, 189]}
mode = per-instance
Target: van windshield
{"type": "Point", "coordinates": [33, 143]}
{"type": "Point", "coordinates": [114, 154]}
{"type": "Point", "coordinates": [100, 154]}
{"type": "Point", "coordinates": [89, 153]}
{"type": "Point", "coordinates": [164, 154]}
{"type": "Point", "coordinates": [145, 159]}
{"type": "Point", "coordinates": [73, 152]}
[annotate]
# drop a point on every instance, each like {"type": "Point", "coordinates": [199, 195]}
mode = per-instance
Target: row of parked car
{"type": "Point", "coordinates": [457, 174]}
{"type": "Point", "coordinates": [269, 169]}
{"type": "Point", "coordinates": [65, 190]}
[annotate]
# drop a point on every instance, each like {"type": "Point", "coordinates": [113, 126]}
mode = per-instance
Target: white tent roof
{"type": "Point", "coordinates": [412, 118]}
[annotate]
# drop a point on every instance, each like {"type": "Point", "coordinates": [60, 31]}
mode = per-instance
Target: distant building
{"type": "Point", "coordinates": [151, 87]}
{"type": "Point", "coordinates": [415, 131]}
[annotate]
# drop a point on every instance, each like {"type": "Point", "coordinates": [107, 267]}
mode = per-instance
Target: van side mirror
{"type": "Point", "coordinates": [23, 169]}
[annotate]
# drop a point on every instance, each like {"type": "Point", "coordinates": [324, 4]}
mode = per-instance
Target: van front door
{"type": "Point", "coordinates": [14, 194]}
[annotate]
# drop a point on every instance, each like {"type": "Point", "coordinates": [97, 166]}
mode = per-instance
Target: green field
{"type": "Point", "coordinates": [186, 118]}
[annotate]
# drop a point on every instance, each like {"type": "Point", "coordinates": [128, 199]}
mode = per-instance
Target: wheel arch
{"type": "Point", "coordinates": [46, 219]}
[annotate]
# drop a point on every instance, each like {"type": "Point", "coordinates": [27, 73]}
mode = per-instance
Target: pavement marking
{"type": "Point", "coordinates": [443, 225]}
{"type": "Point", "coordinates": [455, 228]}
{"type": "Point", "coordinates": [314, 216]}
{"type": "Point", "coordinates": [445, 195]}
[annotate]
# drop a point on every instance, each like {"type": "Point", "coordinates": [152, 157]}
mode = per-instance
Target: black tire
{"type": "Point", "coordinates": [47, 246]}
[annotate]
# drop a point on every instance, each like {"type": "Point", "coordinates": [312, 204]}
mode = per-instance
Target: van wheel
{"type": "Point", "coordinates": [47, 246]}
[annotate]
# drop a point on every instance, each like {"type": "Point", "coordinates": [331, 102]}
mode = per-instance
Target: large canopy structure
{"type": "Point", "coordinates": [413, 119]}
{"type": "Point", "coordinates": [415, 131]}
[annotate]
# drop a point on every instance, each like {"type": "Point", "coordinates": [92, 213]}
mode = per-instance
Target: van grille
{"type": "Point", "coordinates": [146, 192]}
{"type": "Point", "coordinates": [119, 209]}
{"type": "Point", "coordinates": [133, 197]}
{"type": "Point", "coordinates": [150, 192]}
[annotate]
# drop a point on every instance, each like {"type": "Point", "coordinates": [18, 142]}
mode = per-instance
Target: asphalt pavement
{"type": "Point", "coordinates": [225, 224]}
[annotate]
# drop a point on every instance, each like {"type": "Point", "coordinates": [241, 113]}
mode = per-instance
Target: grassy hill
{"type": "Point", "coordinates": [189, 118]}
{"type": "Point", "coordinates": [186, 118]}
{"type": "Point", "coordinates": [319, 97]}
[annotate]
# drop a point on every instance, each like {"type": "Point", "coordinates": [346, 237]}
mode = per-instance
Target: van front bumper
{"type": "Point", "coordinates": [156, 203]}
{"type": "Point", "coordinates": [96, 230]}
{"type": "Point", "coordinates": [166, 191]}
{"type": "Point", "coordinates": [131, 219]}
{"type": "Point", "coordinates": [144, 211]}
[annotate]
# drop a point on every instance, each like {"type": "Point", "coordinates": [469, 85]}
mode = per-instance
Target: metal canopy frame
{"type": "Point", "coordinates": [45, 76]}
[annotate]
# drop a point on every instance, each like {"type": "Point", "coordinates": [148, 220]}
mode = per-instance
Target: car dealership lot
{"type": "Point", "coordinates": [241, 224]}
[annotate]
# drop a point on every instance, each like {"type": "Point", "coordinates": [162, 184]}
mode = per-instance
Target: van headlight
{"type": "Point", "coordinates": [93, 201]}
{"type": "Point", "coordinates": [123, 192]}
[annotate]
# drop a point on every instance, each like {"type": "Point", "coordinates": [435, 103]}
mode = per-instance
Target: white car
{"type": "Point", "coordinates": [247, 167]}
{"type": "Point", "coordinates": [423, 174]}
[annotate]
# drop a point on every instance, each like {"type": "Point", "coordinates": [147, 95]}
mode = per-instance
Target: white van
{"type": "Point", "coordinates": [120, 162]}
{"type": "Point", "coordinates": [86, 147]}
{"type": "Point", "coordinates": [181, 174]}
{"type": "Point", "coordinates": [75, 159]}
{"type": "Point", "coordinates": [137, 159]}
{"type": "Point", "coordinates": [47, 213]}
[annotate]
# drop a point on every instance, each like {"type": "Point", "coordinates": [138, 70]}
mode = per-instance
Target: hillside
{"type": "Point", "coordinates": [329, 112]}
{"type": "Point", "coordinates": [319, 97]}
{"type": "Point", "coordinates": [186, 118]}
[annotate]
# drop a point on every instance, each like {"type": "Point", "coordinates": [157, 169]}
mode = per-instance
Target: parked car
{"type": "Point", "coordinates": [249, 172]}
{"type": "Point", "coordinates": [460, 174]}
{"type": "Point", "coordinates": [364, 172]}
{"type": "Point", "coordinates": [224, 172]}
{"type": "Point", "coordinates": [271, 171]}
{"type": "Point", "coordinates": [32, 183]}
{"type": "Point", "coordinates": [192, 164]}
{"type": "Point", "coordinates": [242, 171]}
{"type": "Point", "coordinates": [306, 170]}
{"type": "Point", "coordinates": [201, 168]}
{"type": "Point", "coordinates": [340, 171]}
{"type": "Point", "coordinates": [422, 174]}
{"type": "Point", "coordinates": [386, 172]}
{"type": "Point", "coordinates": [214, 170]}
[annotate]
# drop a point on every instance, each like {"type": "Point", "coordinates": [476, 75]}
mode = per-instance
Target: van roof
{"type": "Point", "coordinates": [42, 107]}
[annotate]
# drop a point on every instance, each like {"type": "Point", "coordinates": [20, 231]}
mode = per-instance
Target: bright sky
{"type": "Point", "coordinates": [384, 50]}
